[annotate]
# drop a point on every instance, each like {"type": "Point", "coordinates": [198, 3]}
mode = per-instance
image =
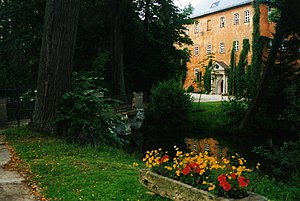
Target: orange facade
{"type": "Point", "coordinates": [214, 34]}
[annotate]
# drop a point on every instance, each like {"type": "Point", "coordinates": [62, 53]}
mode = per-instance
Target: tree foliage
{"type": "Point", "coordinates": [20, 39]}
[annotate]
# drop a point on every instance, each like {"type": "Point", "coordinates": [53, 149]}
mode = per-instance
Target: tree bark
{"type": "Point", "coordinates": [117, 13]}
{"type": "Point", "coordinates": [56, 60]}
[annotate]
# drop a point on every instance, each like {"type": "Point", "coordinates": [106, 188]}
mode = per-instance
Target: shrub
{"type": "Point", "coordinates": [84, 115]}
{"type": "Point", "coordinates": [190, 89]}
{"type": "Point", "coordinates": [284, 160]}
{"type": "Point", "coordinates": [169, 102]}
{"type": "Point", "coordinates": [231, 111]}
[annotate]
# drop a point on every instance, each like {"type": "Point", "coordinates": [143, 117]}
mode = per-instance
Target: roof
{"type": "Point", "coordinates": [206, 7]}
{"type": "Point", "coordinates": [223, 65]}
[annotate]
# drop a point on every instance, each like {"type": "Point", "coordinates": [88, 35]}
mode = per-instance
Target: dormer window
{"type": "Point", "coordinates": [215, 4]}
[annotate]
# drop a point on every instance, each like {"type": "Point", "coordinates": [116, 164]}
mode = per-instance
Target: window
{"type": "Point", "coordinates": [187, 30]}
{"type": "Point", "coordinates": [236, 19]}
{"type": "Point", "coordinates": [222, 22]}
{"type": "Point", "coordinates": [215, 4]}
{"type": "Point", "coordinates": [222, 48]}
{"type": "Point", "coordinates": [236, 45]}
{"type": "Point", "coordinates": [197, 27]}
{"type": "Point", "coordinates": [206, 147]}
{"type": "Point", "coordinates": [196, 71]}
{"type": "Point", "coordinates": [270, 44]}
{"type": "Point", "coordinates": [208, 25]}
{"type": "Point", "coordinates": [208, 49]}
{"type": "Point", "coordinates": [246, 16]}
{"type": "Point", "coordinates": [196, 50]}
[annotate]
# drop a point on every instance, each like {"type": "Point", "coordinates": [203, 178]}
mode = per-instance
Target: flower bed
{"type": "Point", "coordinates": [179, 191]}
{"type": "Point", "coordinates": [207, 174]}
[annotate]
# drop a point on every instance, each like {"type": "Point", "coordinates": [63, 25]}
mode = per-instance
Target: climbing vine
{"type": "Point", "coordinates": [241, 85]}
{"type": "Point", "coordinates": [231, 75]}
{"type": "Point", "coordinates": [253, 72]}
{"type": "Point", "coordinates": [207, 77]}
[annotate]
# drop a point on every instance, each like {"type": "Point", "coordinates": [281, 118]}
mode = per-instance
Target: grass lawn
{"type": "Point", "coordinates": [71, 172]}
{"type": "Point", "coordinates": [203, 116]}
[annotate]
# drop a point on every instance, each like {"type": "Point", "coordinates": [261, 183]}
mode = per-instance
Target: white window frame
{"type": "Point", "coordinates": [209, 49]}
{"type": "Point", "coordinates": [246, 16]}
{"type": "Point", "coordinates": [196, 71]}
{"type": "Point", "coordinates": [196, 50]}
{"type": "Point", "coordinates": [197, 27]}
{"type": "Point", "coordinates": [222, 22]}
{"type": "Point", "coordinates": [222, 47]}
{"type": "Point", "coordinates": [208, 25]}
{"type": "Point", "coordinates": [236, 19]}
{"type": "Point", "coordinates": [236, 45]}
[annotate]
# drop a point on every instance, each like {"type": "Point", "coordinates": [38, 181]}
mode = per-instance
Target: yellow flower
{"type": "Point", "coordinates": [211, 187]}
{"type": "Point", "coordinates": [257, 166]}
{"type": "Point", "coordinates": [233, 167]}
{"type": "Point", "coordinates": [204, 182]}
{"type": "Point", "coordinates": [232, 156]}
{"type": "Point", "coordinates": [226, 161]}
{"type": "Point", "coordinates": [135, 164]}
{"type": "Point", "coordinates": [178, 173]}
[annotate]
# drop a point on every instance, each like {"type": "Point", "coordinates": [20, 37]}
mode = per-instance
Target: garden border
{"type": "Point", "coordinates": [179, 191]}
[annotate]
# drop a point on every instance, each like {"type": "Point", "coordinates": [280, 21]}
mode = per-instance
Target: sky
{"type": "Point", "coordinates": [183, 3]}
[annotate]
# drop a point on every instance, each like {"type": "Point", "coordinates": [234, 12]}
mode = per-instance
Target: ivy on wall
{"type": "Point", "coordinates": [241, 84]}
{"type": "Point", "coordinates": [207, 77]}
{"type": "Point", "coordinates": [232, 72]}
{"type": "Point", "coordinates": [254, 71]}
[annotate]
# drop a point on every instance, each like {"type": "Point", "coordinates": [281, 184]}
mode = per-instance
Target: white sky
{"type": "Point", "coordinates": [183, 3]}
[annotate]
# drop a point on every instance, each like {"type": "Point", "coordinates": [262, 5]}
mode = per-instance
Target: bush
{"type": "Point", "coordinates": [232, 111]}
{"type": "Point", "coordinates": [190, 89]}
{"type": "Point", "coordinates": [84, 115]}
{"type": "Point", "coordinates": [283, 161]}
{"type": "Point", "coordinates": [169, 104]}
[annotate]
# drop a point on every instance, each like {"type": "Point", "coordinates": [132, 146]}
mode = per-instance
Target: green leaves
{"type": "Point", "coordinates": [84, 115]}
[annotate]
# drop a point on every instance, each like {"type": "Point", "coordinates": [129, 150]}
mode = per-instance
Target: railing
{"type": "Point", "coordinates": [16, 104]}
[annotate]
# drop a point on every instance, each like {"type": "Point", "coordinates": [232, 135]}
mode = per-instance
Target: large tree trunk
{"type": "Point", "coordinates": [117, 14]}
{"type": "Point", "coordinates": [56, 60]}
{"type": "Point", "coordinates": [247, 120]}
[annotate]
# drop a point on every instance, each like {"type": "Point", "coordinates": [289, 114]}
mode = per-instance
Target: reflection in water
{"type": "Point", "coordinates": [207, 144]}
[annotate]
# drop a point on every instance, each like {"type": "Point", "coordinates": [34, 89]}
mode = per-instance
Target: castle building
{"type": "Point", "coordinates": [220, 26]}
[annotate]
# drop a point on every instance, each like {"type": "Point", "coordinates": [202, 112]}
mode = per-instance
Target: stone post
{"type": "Point", "coordinates": [3, 111]}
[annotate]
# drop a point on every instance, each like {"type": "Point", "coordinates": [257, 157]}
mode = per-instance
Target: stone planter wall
{"type": "Point", "coordinates": [178, 191]}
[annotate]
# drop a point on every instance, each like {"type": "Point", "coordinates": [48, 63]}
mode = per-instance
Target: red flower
{"type": "Point", "coordinates": [222, 178]}
{"type": "Point", "coordinates": [186, 170]}
{"type": "Point", "coordinates": [233, 175]}
{"type": "Point", "coordinates": [223, 182]}
{"type": "Point", "coordinates": [163, 159]}
{"type": "Point", "coordinates": [226, 186]}
{"type": "Point", "coordinates": [243, 182]}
